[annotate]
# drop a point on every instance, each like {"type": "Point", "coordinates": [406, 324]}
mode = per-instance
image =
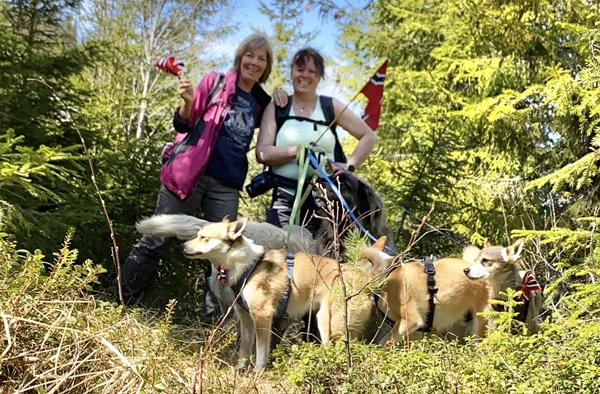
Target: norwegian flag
{"type": "Point", "coordinates": [528, 284]}
{"type": "Point", "coordinates": [222, 276]}
{"type": "Point", "coordinates": [373, 90]}
{"type": "Point", "coordinates": [171, 65]}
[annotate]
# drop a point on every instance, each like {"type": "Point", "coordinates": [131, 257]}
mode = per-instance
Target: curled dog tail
{"type": "Point", "coordinates": [181, 226]}
{"type": "Point", "coordinates": [470, 254]}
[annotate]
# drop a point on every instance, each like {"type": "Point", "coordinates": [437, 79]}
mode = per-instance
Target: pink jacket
{"type": "Point", "coordinates": [187, 158]}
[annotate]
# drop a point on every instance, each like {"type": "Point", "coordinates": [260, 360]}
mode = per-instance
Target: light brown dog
{"type": "Point", "coordinates": [310, 288]}
{"type": "Point", "coordinates": [500, 267]}
{"type": "Point", "coordinates": [405, 297]}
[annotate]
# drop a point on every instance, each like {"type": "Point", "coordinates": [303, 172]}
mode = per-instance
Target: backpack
{"type": "Point", "coordinates": [283, 113]}
{"type": "Point", "coordinates": [183, 140]}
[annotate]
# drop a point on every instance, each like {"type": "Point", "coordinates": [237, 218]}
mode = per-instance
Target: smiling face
{"type": "Point", "coordinates": [305, 76]}
{"type": "Point", "coordinates": [253, 65]}
{"type": "Point", "coordinates": [253, 60]}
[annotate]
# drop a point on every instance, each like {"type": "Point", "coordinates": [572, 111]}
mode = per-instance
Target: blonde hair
{"type": "Point", "coordinates": [252, 42]}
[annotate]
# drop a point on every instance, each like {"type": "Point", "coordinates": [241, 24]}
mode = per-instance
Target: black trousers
{"type": "Point", "coordinates": [215, 200]}
{"type": "Point", "coordinates": [280, 212]}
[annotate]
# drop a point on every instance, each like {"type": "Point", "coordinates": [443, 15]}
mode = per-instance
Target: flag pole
{"type": "Point", "coordinates": [337, 117]}
{"type": "Point", "coordinates": [346, 107]}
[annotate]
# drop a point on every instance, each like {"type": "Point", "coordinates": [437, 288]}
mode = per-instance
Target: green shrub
{"type": "Point", "coordinates": [58, 338]}
{"type": "Point", "coordinates": [563, 358]}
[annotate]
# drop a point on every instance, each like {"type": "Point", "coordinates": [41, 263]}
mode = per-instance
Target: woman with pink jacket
{"type": "Point", "coordinates": [191, 181]}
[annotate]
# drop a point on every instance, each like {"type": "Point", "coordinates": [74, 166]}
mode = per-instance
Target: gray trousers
{"type": "Point", "coordinates": [215, 201]}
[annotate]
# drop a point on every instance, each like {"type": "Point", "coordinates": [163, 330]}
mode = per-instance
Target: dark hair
{"type": "Point", "coordinates": [302, 56]}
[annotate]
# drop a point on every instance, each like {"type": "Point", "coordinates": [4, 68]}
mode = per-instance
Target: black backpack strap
{"type": "Point", "coordinates": [327, 107]}
{"type": "Point", "coordinates": [328, 111]}
{"type": "Point", "coordinates": [216, 89]}
{"type": "Point", "coordinates": [282, 114]}
{"type": "Point", "coordinates": [213, 94]}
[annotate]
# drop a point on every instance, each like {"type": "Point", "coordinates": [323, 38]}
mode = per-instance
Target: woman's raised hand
{"type": "Point", "coordinates": [185, 90]}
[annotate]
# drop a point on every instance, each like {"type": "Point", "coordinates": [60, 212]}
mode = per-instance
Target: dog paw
{"type": "Point", "coordinates": [243, 365]}
{"type": "Point", "coordinates": [259, 368]}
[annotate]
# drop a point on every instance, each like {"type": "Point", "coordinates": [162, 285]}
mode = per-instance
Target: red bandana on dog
{"type": "Point", "coordinates": [528, 284]}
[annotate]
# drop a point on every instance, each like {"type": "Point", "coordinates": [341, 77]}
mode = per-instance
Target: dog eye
{"type": "Point", "coordinates": [486, 262]}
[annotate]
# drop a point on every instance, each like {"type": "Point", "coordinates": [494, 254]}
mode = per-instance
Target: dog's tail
{"type": "Point", "coordinates": [181, 226]}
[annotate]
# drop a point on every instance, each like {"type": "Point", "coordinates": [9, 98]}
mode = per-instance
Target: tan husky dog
{"type": "Point", "coordinates": [225, 246]}
{"type": "Point", "coordinates": [500, 267]}
{"type": "Point", "coordinates": [405, 298]}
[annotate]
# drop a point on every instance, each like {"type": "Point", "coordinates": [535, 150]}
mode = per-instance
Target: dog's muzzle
{"type": "Point", "coordinates": [469, 274]}
{"type": "Point", "coordinates": [189, 252]}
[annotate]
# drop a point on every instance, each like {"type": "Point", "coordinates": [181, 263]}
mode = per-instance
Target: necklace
{"type": "Point", "coordinates": [307, 107]}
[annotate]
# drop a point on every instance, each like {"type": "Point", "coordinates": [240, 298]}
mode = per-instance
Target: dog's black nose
{"type": "Point", "coordinates": [186, 251]}
{"type": "Point", "coordinates": [466, 271]}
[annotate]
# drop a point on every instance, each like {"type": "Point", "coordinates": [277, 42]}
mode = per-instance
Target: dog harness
{"type": "Point", "coordinates": [283, 302]}
{"type": "Point", "coordinates": [429, 269]}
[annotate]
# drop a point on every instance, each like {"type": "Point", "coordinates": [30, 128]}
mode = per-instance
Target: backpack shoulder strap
{"type": "Point", "coordinates": [328, 111]}
{"type": "Point", "coordinates": [327, 107]}
{"type": "Point", "coordinates": [214, 93]}
{"type": "Point", "coordinates": [282, 113]}
{"type": "Point", "coordinates": [216, 89]}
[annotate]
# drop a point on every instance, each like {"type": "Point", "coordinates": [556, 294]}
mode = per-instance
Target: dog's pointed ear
{"type": "Point", "coordinates": [380, 244]}
{"type": "Point", "coordinates": [487, 243]}
{"type": "Point", "coordinates": [513, 252]}
{"type": "Point", "coordinates": [225, 219]}
{"type": "Point", "coordinates": [236, 229]}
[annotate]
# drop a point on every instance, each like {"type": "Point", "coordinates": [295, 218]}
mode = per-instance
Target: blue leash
{"type": "Point", "coordinates": [323, 174]}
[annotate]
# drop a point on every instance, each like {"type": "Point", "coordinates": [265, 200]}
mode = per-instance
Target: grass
{"type": "Point", "coordinates": [60, 337]}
